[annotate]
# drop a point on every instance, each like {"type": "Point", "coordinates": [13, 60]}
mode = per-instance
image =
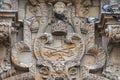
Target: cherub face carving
{"type": "Point", "coordinates": [59, 7]}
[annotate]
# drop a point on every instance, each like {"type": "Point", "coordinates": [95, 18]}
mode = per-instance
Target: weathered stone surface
{"type": "Point", "coordinates": [53, 40]}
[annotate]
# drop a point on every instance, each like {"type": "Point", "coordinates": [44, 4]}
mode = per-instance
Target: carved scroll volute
{"type": "Point", "coordinates": [21, 49]}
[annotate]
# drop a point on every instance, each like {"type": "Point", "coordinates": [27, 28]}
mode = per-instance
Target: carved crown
{"type": "Point", "coordinates": [59, 28]}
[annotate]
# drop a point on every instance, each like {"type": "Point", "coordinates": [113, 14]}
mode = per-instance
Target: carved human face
{"type": "Point", "coordinates": [59, 7]}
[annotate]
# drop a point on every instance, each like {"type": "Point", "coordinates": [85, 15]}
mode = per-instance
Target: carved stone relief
{"type": "Point", "coordinates": [55, 41]}
{"type": "Point", "coordinates": [9, 4]}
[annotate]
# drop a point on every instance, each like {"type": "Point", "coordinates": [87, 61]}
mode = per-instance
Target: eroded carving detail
{"type": "Point", "coordinates": [9, 4]}
{"type": "Point", "coordinates": [55, 42]}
